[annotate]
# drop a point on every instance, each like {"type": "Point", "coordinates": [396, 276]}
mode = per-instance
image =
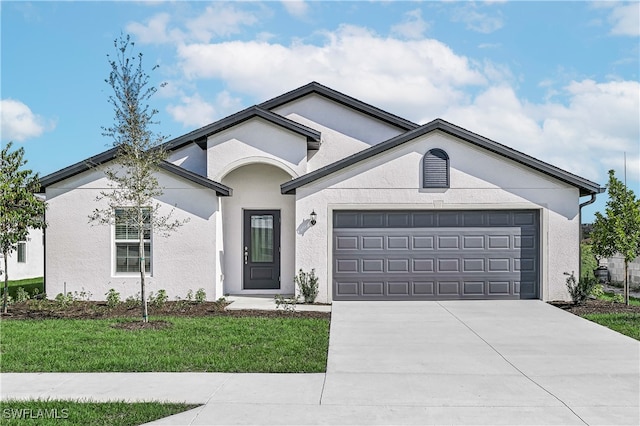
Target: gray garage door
{"type": "Point", "coordinates": [387, 255]}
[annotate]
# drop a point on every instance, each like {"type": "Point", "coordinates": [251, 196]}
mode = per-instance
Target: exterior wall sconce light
{"type": "Point", "coordinates": [313, 217]}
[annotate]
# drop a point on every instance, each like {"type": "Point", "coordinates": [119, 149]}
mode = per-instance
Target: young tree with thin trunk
{"type": "Point", "coordinates": [20, 209]}
{"type": "Point", "coordinates": [133, 185]}
{"type": "Point", "coordinates": [619, 230]}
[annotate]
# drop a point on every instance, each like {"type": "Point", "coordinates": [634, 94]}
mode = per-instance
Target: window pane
{"type": "Point", "coordinates": [22, 252]}
{"type": "Point", "coordinates": [128, 260]}
{"type": "Point", "coordinates": [262, 238]}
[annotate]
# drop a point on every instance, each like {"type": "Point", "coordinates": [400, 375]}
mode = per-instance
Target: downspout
{"type": "Point", "coordinates": [586, 203]}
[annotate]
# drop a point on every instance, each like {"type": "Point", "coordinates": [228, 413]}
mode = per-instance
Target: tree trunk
{"type": "Point", "coordinates": [6, 283]}
{"type": "Point", "coordinates": [145, 313]}
{"type": "Point", "coordinates": [626, 282]}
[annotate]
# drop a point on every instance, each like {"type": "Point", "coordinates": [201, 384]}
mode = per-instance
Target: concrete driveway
{"type": "Point", "coordinates": [481, 362]}
{"type": "Point", "coordinates": [418, 363]}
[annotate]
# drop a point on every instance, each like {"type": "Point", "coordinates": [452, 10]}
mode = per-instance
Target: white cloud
{"type": "Point", "coordinates": [155, 30]}
{"type": "Point", "coordinates": [403, 75]}
{"type": "Point", "coordinates": [625, 19]}
{"type": "Point", "coordinates": [296, 8]}
{"type": "Point", "coordinates": [599, 122]}
{"type": "Point", "coordinates": [19, 123]}
{"type": "Point", "coordinates": [217, 20]}
{"type": "Point", "coordinates": [476, 20]}
{"type": "Point", "coordinates": [195, 111]}
{"type": "Point", "coordinates": [412, 27]}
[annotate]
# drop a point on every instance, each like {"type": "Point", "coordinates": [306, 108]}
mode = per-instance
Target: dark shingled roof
{"type": "Point", "coordinates": [586, 187]}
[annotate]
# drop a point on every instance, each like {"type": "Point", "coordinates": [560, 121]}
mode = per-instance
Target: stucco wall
{"type": "Point", "coordinates": [256, 186]}
{"type": "Point", "coordinates": [256, 141]}
{"type": "Point", "coordinates": [82, 255]}
{"type": "Point", "coordinates": [190, 157]}
{"type": "Point", "coordinates": [479, 180]}
{"type": "Point", "coordinates": [347, 121]}
{"type": "Point", "coordinates": [34, 265]}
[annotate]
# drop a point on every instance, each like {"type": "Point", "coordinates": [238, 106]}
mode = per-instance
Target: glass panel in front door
{"type": "Point", "coordinates": [261, 238]}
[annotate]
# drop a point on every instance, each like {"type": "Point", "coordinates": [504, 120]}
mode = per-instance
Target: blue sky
{"type": "Point", "coordinates": [556, 80]}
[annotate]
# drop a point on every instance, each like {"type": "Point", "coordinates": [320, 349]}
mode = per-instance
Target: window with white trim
{"type": "Point", "coordinates": [435, 169]}
{"type": "Point", "coordinates": [127, 241]}
{"type": "Point", "coordinates": [22, 252]}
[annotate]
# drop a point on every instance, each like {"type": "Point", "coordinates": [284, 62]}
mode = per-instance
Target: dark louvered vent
{"type": "Point", "coordinates": [436, 169]}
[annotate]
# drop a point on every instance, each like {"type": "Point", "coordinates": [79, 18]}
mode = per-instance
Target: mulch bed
{"type": "Point", "coordinates": [49, 309]}
{"type": "Point", "coordinates": [592, 306]}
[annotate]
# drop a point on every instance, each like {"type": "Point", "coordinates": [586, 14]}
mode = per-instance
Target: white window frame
{"type": "Point", "coordinates": [131, 242]}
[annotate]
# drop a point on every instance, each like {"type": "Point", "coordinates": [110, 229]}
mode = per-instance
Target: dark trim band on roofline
{"type": "Point", "coordinates": [586, 187]}
{"type": "Point", "coordinates": [341, 98]}
{"type": "Point", "coordinates": [200, 136]}
{"type": "Point", "coordinates": [105, 157]}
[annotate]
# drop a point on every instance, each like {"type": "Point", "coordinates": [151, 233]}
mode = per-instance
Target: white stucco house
{"type": "Point", "coordinates": [27, 261]}
{"type": "Point", "coordinates": [379, 206]}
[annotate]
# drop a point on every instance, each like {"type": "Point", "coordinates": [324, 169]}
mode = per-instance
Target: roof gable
{"type": "Point", "coordinates": [110, 155]}
{"type": "Point", "coordinates": [341, 98]}
{"type": "Point", "coordinates": [200, 136]}
{"type": "Point", "coordinates": [586, 187]}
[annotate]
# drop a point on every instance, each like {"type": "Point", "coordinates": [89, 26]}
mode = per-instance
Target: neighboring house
{"type": "Point", "coordinates": [27, 261]}
{"type": "Point", "coordinates": [615, 265]}
{"type": "Point", "coordinates": [402, 211]}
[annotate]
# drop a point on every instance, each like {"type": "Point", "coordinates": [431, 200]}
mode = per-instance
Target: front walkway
{"type": "Point", "coordinates": [459, 362]}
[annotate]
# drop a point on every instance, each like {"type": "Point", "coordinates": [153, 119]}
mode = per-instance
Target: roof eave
{"type": "Point", "coordinates": [585, 186]}
{"type": "Point", "coordinates": [341, 98]}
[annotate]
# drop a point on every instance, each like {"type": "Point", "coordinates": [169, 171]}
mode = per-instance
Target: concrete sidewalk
{"type": "Point", "coordinates": [459, 362]}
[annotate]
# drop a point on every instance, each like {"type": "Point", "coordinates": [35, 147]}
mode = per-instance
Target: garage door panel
{"type": "Point", "coordinates": [372, 265]}
{"type": "Point", "coordinates": [448, 265]}
{"type": "Point", "coordinates": [405, 255]}
{"type": "Point", "coordinates": [423, 265]}
{"type": "Point", "coordinates": [346, 242]}
{"type": "Point", "coordinates": [398, 242]}
{"type": "Point", "coordinates": [423, 288]}
{"type": "Point", "coordinates": [372, 243]}
{"type": "Point", "coordinates": [347, 266]}
{"type": "Point", "coordinates": [421, 242]}
{"type": "Point", "coordinates": [398, 266]}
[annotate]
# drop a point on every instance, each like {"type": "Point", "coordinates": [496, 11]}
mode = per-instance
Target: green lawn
{"type": "Point", "coordinates": [220, 344]}
{"type": "Point", "coordinates": [609, 298]}
{"type": "Point", "coordinates": [66, 413]}
{"type": "Point", "coordinates": [29, 284]}
{"type": "Point", "coordinates": [625, 323]}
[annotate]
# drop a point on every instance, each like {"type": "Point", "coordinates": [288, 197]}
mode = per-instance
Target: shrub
{"type": "Point", "coordinates": [618, 298]}
{"type": "Point", "coordinates": [308, 285]}
{"type": "Point", "coordinates": [21, 295]}
{"type": "Point", "coordinates": [113, 298]}
{"type": "Point", "coordinates": [580, 290]}
{"type": "Point", "coordinates": [83, 295]}
{"type": "Point", "coordinates": [159, 299]}
{"type": "Point", "coordinates": [201, 296]}
{"type": "Point", "coordinates": [597, 291]}
{"type": "Point", "coordinates": [64, 300]}
{"type": "Point", "coordinates": [289, 305]}
{"type": "Point", "coordinates": [189, 296]}
{"type": "Point", "coordinates": [587, 260]}
{"type": "Point", "coordinates": [133, 301]}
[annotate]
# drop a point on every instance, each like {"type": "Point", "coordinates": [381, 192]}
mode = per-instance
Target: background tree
{"type": "Point", "coordinates": [20, 209]}
{"type": "Point", "coordinates": [133, 185]}
{"type": "Point", "coordinates": [619, 230]}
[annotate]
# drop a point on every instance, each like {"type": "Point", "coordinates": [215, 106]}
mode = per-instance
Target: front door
{"type": "Point", "coordinates": [261, 250]}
